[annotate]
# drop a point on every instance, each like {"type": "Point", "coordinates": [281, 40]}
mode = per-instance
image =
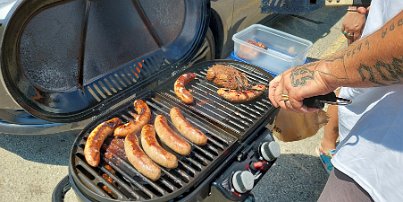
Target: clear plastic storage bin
{"type": "Point", "coordinates": [278, 52]}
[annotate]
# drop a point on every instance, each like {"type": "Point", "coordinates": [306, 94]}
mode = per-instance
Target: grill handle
{"type": "Point", "coordinates": [61, 189]}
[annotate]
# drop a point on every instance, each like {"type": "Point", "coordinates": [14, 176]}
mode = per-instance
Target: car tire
{"type": "Point", "coordinates": [207, 50]}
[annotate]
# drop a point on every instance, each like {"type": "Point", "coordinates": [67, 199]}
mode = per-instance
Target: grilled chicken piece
{"type": "Point", "coordinates": [226, 76]}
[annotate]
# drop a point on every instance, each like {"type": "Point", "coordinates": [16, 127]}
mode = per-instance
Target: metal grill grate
{"type": "Point", "coordinates": [123, 78]}
{"type": "Point", "coordinates": [224, 123]}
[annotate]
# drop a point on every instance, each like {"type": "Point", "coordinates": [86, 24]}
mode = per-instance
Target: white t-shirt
{"type": "Point", "coordinates": [371, 128]}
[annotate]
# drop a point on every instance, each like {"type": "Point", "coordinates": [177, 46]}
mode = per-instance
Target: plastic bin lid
{"type": "Point", "coordinates": [64, 60]}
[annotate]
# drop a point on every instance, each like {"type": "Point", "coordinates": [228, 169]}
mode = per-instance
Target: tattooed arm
{"type": "Point", "coordinates": [373, 61]}
{"type": "Point", "coordinates": [376, 60]}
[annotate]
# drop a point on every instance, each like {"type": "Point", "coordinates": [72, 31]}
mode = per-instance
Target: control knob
{"type": "Point", "coordinates": [243, 181]}
{"type": "Point", "coordinates": [269, 150]}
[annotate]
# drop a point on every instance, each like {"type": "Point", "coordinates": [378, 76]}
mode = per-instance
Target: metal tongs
{"type": "Point", "coordinates": [319, 101]}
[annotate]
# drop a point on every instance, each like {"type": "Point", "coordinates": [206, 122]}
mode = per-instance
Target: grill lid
{"type": "Point", "coordinates": [63, 60]}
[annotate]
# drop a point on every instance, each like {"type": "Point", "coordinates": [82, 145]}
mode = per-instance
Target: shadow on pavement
{"type": "Point", "coordinates": [50, 149]}
{"type": "Point", "coordinates": [294, 177]}
{"type": "Point", "coordinates": [311, 26]}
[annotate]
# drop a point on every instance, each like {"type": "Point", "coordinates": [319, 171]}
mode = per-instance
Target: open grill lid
{"type": "Point", "coordinates": [63, 60]}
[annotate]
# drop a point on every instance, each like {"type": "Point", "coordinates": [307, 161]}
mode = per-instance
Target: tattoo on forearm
{"type": "Point", "coordinates": [356, 48]}
{"type": "Point", "coordinates": [384, 32]}
{"type": "Point", "coordinates": [391, 27]}
{"type": "Point", "coordinates": [301, 75]}
{"type": "Point", "coordinates": [383, 73]}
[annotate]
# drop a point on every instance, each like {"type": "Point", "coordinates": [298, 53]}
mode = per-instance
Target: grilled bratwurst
{"type": "Point", "coordinates": [96, 139]}
{"type": "Point", "coordinates": [186, 129]}
{"type": "Point", "coordinates": [139, 159]}
{"type": "Point", "coordinates": [135, 125]}
{"type": "Point", "coordinates": [180, 90]}
{"type": "Point", "coordinates": [170, 138]}
{"type": "Point", "coordinates": [154, 150]}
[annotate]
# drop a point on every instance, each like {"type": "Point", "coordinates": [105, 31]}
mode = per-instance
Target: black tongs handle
{"type": "Point", "coordinates": [320, 101]}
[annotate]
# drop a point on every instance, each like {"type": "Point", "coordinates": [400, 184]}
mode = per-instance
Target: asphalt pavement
{"type": "Point", "coordinates": [31, 165]}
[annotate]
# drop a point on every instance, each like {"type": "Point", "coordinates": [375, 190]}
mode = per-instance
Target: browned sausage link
{"type": "Point", "coordinates": [181, 91]}
{"type": "Point", "coordinates": [96, 139]}
{"type": "Point", "coordinates": [135, 125]}
{"type": "Point", "coordinates": [170, 137]}
{"type": "Point", "coordinates": [241, 96]}
{"type": "Point", "coordinates": [139, 159]}
{"type": "Point", "coordinates": [154, 150]}
{"type": "Point", "coordinates": [186, 129]}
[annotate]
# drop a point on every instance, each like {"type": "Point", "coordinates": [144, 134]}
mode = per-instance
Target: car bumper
{"type": "Point", "coordinates": [35, 129]}
{"type": "Point", "coordinates": [18, 122]}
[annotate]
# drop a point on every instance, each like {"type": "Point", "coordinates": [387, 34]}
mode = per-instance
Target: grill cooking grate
{"type": "Point", "coordinates": [121, 79]}
{"type": "Point", "coordinates": [224, 123]}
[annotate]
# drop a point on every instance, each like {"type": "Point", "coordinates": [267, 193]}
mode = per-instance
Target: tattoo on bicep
{"type": "Point", "coordinates": [383, 73]}
{"type": "Point", "coordinates": [301, 75]}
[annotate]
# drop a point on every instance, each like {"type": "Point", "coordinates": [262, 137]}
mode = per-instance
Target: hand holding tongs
{"type": "Point", "coordinates": [319, 101]}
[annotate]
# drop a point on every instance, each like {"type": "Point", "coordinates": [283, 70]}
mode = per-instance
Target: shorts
{"type": "Point", "coordinates": [340, 187]}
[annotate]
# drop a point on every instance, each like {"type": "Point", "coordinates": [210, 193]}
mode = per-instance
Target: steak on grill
{"type": "Point", "coordinates": [226, 76]}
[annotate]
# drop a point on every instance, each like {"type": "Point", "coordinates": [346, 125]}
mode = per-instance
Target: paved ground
{"type": "Point", "coordinates": [31, 166]}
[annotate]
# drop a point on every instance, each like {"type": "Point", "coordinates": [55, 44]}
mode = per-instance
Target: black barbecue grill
{"type": "Point", "coordinates": [227, 126]}
{"type": "Point", "coordinates": [67, 61]}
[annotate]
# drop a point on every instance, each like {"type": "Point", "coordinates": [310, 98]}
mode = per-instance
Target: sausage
{"type": "Point", "coordinates": [180, 90]}
{"type": "Point", "coordinates": [186, 129]}
{"type": "Point", "coordinates": [241, 96]}
{"type": "Point", "coordinates": [96, 139]}
{"type": "Point", "coordinates": [249, 53]}
{"type": "Point", "coordinates": [135, 125]}
{"type": "Point", "coordinates": [169, 137]}
{"type": "Point", "coordinates": [154, 150]}
{"type": "Point", "coordinates": [139, 159]}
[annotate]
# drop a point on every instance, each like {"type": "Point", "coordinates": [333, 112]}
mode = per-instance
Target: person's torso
{"type": "Point", "coordinates": [371, 128]}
